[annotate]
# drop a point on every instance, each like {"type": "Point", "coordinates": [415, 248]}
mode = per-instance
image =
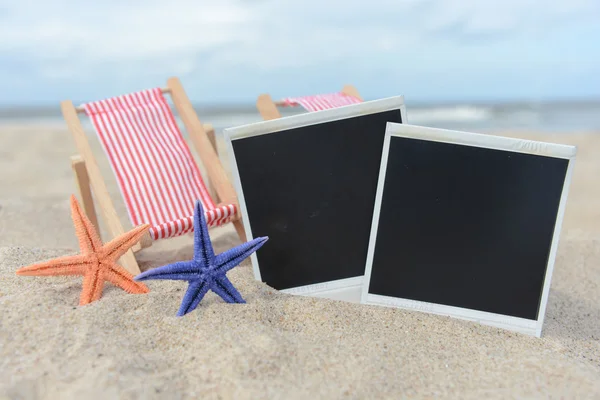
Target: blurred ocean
{"type": "Point", "coordinates": [540, 117]}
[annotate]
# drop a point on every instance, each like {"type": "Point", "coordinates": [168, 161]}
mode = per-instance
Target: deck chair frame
{"type": "Point", "coordinates": [268, 108]}
{"type": "Point", "coordinates": [89, 179]}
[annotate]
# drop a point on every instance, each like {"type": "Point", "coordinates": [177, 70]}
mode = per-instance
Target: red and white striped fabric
{"type": "Point", "coordinates": [321, 101]}
{"type": "Point", "coordinates": [155, 170]}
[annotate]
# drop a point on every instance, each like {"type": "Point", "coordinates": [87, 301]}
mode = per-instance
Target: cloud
{"type": "Point", "coordinates": [133, 41]}
{"type": "Point", "coordinates": [114, 30]}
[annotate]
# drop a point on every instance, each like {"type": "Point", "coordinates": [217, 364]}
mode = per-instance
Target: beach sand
{"type": "Point", "coordinates": [275, 346]}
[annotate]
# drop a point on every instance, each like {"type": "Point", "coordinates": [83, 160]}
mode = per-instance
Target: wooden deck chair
{"type": "Point", "coordinates": [155, 171]}
{"type": "Point", "coordinates": [268, 108]}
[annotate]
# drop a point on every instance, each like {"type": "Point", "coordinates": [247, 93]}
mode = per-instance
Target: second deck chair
{"type": "Point", "coordinates": [155, 171]}
{"type": "Point", "coordinates": [268, 108]}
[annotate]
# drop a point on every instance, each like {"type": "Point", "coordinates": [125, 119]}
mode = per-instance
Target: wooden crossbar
{"type": "Point", "coordinates": [267, 107]}
{"type": "Point", "coordinates": [81, 109]}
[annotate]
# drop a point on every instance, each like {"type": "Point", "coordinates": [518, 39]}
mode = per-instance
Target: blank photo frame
{"type": "Point", "coordinates": [308, 182]}
{"type": "Point", "coordinates": [467, 225]}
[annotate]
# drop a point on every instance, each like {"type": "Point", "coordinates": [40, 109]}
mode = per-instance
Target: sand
{"type": "Point", "coordinates": [275, 346]}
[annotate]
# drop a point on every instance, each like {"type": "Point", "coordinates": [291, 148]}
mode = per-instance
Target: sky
{"type": "Point", "coordinates": [230, 51]}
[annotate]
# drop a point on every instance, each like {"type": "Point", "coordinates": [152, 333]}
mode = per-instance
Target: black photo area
{"type": "Point", "coordinates": [311, 190]}
{"type": "Point", "coordinates": [465, 226]}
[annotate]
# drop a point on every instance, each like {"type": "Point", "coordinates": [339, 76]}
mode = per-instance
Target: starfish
{"type": "Point", "coordinates": [205, 271]}
{"type": "Point", "coordinates": [97, 261]}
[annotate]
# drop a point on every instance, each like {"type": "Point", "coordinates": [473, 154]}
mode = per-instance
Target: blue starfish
{"type": "Point", "coordinates": [205, 271]}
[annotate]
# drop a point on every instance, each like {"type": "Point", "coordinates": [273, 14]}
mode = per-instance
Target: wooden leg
{"type": "Point", "coordinates": [129, 262]}
{"type": "Point", "coordinates": [267, 108]}
{"type": "Point", "coordinates": [111, 219]}
{"type": "Point", "coordinates": [82, 179]}
{"type": "Point", "coordinates": [351, 91]}
{"type": "Point", "coordinates": [210, 132]}
{"type": "Point", "coordinates": [210, 159]}
{"type": "Point", "coordinates": [85, 192]}
{"type": "Point", "coordinates": [239, 228]}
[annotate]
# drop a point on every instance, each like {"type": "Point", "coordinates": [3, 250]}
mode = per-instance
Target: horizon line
{"type": "Point", "coordinates": [240, 106]}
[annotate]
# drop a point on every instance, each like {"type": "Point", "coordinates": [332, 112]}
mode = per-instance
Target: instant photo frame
{"type": "Point", "coordinates": [308, 182]}
{"type": "Point", "coordinates": [467, 225]}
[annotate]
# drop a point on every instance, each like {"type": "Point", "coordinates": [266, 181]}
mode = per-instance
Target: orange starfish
{"type": "Point", "coordinates": [97, 261]}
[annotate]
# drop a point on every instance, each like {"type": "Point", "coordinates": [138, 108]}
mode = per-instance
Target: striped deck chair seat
{"type": "Point", "coordinates": [321, 101]}
{"type": "Point", "coordinates": [155, 171]}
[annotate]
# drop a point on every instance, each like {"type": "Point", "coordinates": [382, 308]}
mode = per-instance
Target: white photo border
{"type": "Point", "coordinates": [525, 326]}
{"type": "Point", "coordinates": [297, 121]}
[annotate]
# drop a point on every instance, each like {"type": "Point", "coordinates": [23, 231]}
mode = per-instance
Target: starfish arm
{"type": "Point", "coordinates": [195, 293]}
{"type": "Point", "coordinates": [66, 265]}
{"type": "Point", "coordinates": [180, 270]}
{"type": "Point", "coordinates": [119, 245]}
{"type": "Point", "coordinates": [120, 277]}
{"type": "Point", "coordinates": [203, 250]}
{"type": "Point", "coordinates": [89, 241]}
{"type": "Point", "coordinates": [231, 258]}
{"type": "Point", "coordinates": [224, 288]}
{"type": "Point", "coordinates": [93, 283]}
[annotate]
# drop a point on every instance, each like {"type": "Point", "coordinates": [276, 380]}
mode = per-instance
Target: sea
{"type": "Point", "coordinates": [551, 117]}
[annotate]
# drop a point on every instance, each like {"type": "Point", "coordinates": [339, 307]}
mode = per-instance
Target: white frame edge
{"type": "Point", "coordinates": [317, 117]}
{"type": "Point", "coordinates": [482, 140]}
{"type": "Point", "coordinates": [529, 327]}
{"type": "Point", "coordinates": [325, 286]}
{"type": "Point", "coordinates": [297, 121]}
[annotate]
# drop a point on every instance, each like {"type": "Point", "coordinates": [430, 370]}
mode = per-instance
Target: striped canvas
{"type": "Point", "coordinates": [322, 101]}
{"type": "Point", "coordinates": [155, 171]}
